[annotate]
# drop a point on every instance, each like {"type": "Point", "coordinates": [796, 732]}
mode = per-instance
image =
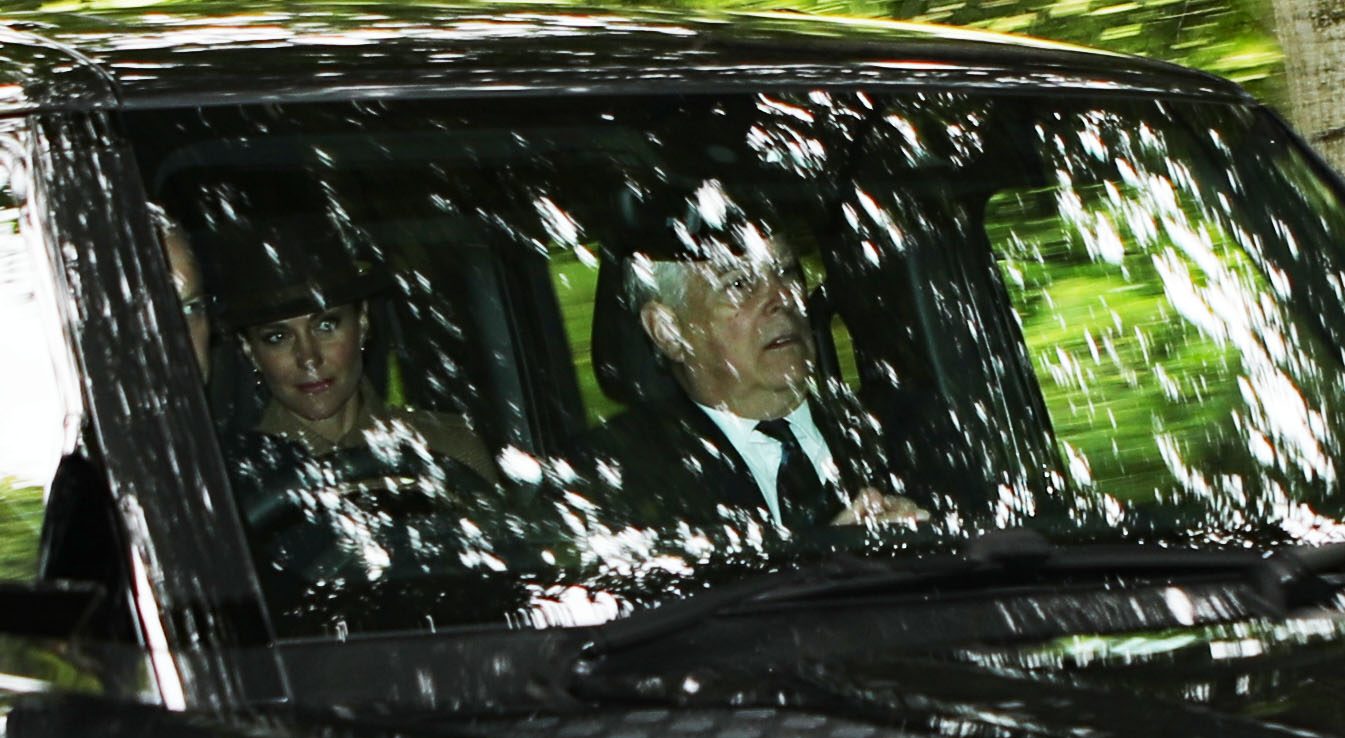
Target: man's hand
{"type": "Point", "coordinates": [871, 506]}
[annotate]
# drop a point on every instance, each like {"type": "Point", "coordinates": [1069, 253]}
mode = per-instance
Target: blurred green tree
{"type": "Point", "coordinates": [20, 524]}
{"type": "Point", "coordinates": [1232, 38]}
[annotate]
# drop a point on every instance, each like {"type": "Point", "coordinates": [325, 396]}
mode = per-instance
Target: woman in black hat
{"type": "Point", "coordinates": [302, 321]}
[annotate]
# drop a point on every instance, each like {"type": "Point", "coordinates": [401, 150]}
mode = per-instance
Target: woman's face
{"type": "Point", "coordinates": [312, 363]}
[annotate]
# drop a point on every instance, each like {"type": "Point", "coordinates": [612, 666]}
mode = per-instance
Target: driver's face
{"type": "Point", "coordinates": [747, 344]}
{"type": "Point", "coordinates": [191, 295]}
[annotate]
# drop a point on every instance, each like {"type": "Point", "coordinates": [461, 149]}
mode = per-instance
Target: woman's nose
{"type": "Point", "coordinates": [306, 353]}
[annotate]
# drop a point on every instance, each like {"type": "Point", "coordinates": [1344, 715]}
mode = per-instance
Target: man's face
{"type": "Point", "coordinates": [744, 339]}
{"type": "Point", "coordinates": [191, 294]}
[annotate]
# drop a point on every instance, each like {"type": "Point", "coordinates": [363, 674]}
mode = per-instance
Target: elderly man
{"type": "Point", "coordinates": [753, 432]}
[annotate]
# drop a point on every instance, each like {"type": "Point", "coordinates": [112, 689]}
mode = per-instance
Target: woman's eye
{"type": "Point", "coordinates": [327, 325]}
{"type": "Point", "coordinates": [272, 338]}
{"type": "Point", "coordinates": [193, 307]}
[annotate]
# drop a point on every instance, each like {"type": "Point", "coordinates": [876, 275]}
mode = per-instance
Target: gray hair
{"type": "Point", "coordinates": [707, 220]}
{"type": "Point", "coordinates": [662, 280]}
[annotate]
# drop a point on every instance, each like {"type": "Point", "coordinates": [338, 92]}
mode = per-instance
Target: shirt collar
{"type": "Point", "coordinates": [743, 430]}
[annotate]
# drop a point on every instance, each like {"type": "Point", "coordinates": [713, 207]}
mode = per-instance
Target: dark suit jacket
{"type": "Point", "coordinates": [662, 463]}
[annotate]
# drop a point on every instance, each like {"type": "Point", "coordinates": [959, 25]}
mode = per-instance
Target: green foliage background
{"type": "Point", "coordinates": [20, 525]}
{"type": "Point", "coordinates": [1231, 38]}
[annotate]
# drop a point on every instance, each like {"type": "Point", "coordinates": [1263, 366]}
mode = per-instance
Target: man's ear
{"type": "Point", "coordinates": [364, 322]}
{"type": "Point", "coordinates": [660, 324]}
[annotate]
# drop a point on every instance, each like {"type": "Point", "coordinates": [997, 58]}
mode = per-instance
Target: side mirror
{"type": "Point", "coordinates": [83, 559]}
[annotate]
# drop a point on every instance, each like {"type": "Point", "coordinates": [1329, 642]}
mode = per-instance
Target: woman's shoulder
{"type": "Point", "coordinates": [420, 419]}
{"type": "Point", "coordinates": [450, 434]}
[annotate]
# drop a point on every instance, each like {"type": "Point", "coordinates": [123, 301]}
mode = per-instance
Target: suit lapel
{"type": "Point", "coordinates": [734, 485]}
{"type": "Point", "coordinates": [725, 474]}
{"type": "Point", "coordinates": [846, 441]}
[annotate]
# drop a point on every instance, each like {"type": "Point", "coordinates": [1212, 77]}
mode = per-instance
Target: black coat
{"type": "Point", "coordinates": [658, 464]}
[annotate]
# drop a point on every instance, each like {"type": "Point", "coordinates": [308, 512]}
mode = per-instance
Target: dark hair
{"type": "Point", "coordinates": [164, 223]}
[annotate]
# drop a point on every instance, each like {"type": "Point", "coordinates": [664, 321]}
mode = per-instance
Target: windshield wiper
{"type": "Point", "coordinates": [993, 563]}
{"type": "Point", "coordinates": [1301, 576]}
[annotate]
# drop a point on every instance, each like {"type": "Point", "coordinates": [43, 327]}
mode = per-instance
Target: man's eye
{"type": "Point", "coordinates": [192, 308]}
{"type": "Point", "coordinates": [740, 282]}
{"type": "Point", "coordinates": [272, 338]}
{"type": "Point", "coordinates": [327, 325]}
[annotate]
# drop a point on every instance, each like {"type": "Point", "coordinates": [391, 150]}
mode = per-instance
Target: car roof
{"type": "Point", "coordinates": [169, 54]}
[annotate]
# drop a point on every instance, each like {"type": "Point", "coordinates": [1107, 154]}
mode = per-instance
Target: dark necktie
{"type": "Point", "coordinates": [796, 483]}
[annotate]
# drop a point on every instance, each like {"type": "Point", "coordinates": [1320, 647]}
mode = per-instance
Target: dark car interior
{"type": "Point", "coordinates": [493, 230]}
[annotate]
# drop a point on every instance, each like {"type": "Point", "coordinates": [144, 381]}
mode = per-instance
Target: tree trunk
{"type": "Point", "coordinates": [1312, 37]}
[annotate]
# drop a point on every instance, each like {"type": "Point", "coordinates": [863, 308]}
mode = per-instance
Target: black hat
{"type": "Point", "coordinates": [294, 266]}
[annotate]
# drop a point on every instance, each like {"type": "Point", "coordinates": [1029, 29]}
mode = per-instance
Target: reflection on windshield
{"type": "Point", "coordinates": [1177, 373]}
{"type": "Point", "coordinates": [545, 368]}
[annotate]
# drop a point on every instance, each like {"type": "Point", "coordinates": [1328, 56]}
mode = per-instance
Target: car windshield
{"type": "Point", "coordinates": [502, 360]}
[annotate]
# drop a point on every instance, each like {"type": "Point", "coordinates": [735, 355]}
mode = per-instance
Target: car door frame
{"type": "Point", "coordinates": [147, 424]}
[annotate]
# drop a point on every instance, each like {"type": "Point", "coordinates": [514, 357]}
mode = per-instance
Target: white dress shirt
{"type": "Point", "coordinates": [762, 453]}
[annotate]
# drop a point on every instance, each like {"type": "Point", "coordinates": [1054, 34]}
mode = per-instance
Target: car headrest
{"type": "Point", "coordinates": [628, 367]}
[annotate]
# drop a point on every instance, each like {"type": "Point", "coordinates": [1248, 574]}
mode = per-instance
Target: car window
{"type": "Point", "coordinates": [574, 275]}
{"type": "Point", "coordinates": [460, 343]}
{"type": "Point", "coordinates": [1172, 368]}
{"type": "Point", "coordinates": [35, 373]}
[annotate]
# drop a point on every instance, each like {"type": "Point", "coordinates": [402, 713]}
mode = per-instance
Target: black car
{"type": "Point", "coordinates": [1059, 332]}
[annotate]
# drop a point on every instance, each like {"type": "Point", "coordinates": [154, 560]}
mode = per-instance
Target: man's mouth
{"type": "Point", "coordinates": [312, 388]}
{"type": "Point", "coordinates": [785, 341]}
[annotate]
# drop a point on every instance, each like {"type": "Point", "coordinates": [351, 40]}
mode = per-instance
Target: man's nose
{"type": "Point", "coordinates": [783, 293]}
